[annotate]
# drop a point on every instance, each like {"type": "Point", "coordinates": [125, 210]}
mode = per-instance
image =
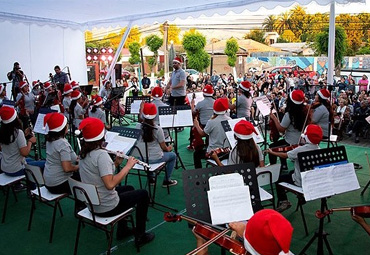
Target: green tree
{"type": "Point", "coordinates": [173, 33]}
{"type": "Point", "coordinates": [194, 43]}
{"type": "Point", "coordinates": [283, 22]}
{"type": "Point", "coordinates": [297, 21]}
{"type": "Point", "coordinates": [154, 42]}
{"type": "Point", "coordinates": [365, 20]}
{"type": "Point", "coordinates": [256, 35]}
{"type": "Point", "coordinates": [231, 49]}
{"type": "Point", "coordinates": [353, 29]}
{"type": "Point", "coordinates": [364, 51]}
{"type": "Point", "coordinates": [322, 40]}
{"type": "Point", "coordinates": [134, 49]}
{"type": "Point", "coordinates": [269, 23]}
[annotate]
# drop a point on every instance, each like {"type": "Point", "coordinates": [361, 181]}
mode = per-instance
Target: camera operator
{"type": "Point", "coordinates": [16, 76]}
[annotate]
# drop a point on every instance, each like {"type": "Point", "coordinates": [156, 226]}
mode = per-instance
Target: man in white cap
{"type": "Point", "coordinates": [177, 84]}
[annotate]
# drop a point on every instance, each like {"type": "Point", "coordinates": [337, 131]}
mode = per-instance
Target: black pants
{"type": "Point", "coordinates": [64, 187]}
{"type": "Point", "coordinates": [358, 126]}
{"type": "Point", "coordinates": [280, 191]}
{"type": "Point", "coordinates": [198, 155]}
{"type": "Point", "coordinates": [129, 197]}
{"type": "Point", "coordinates": [273, 158]}
{"type": "Point", "coordinates": [176, 100]}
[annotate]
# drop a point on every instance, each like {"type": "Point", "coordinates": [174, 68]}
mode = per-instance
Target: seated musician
{"type": "Point", "coordinates": [323, 112]}
{"type": "Point", "coordinates": [61, 160]}
{"type": "Point", "coordinates": [67, 91]}
{"type": "Point", "coordinates": [3, 94]}
{"type": "Point", "coordinates": [295, 117]}
{"type": "Point", "coordinates": [213, 129]}
{"type": "Point", "coordinates": [26, 103]}
{"type": "Point", "coordinates": [245, 150]}
{"type": "Point", "coordinates": [96, 110]}
{"type": "Point", "coordinates": [244, 101]}
{"type": "Point", "coordinates": [205, 110]}
{"type": "Point", "coordinates": [267, 232]}
{"type": "Point", "coordinates": [104, 93]}
{"type": "Point", "coordinates": [312, 135]}
{"type": "Point", "coordinates": [76, 108]}
{"type": "Point", "coordinates": [97, 168]}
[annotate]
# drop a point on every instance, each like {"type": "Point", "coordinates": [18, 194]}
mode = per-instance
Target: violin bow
{"type": "Point", "coordinates": [305, 122]}
{"type": "Point", "coordinates": [210, 241]}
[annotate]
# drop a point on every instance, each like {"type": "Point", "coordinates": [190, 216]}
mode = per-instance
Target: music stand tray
{"type": "Point", "coordinates": [131, 99]}
{"type": "Point", "coordinates": [196, 185]}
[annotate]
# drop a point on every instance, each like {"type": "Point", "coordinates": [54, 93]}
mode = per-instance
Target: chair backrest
{"type": "Point", "coordinates": [84, 192]}
{"type": "Point", "coordinates": [268, 174]}
{"type": "Point", "coordinates": [34, 175]}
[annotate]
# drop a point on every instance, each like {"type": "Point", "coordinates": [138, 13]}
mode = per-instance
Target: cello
{"type": "Point", "coordinates": [209, 233]}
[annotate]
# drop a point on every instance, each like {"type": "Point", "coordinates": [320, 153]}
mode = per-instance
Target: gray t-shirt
{"type": "Point", "coordinates": [176, 77]}
{"type": "Point", "coordinates": [56, 152]}
{"type": "Point", "coordinates": [99, 114]}
{"type": "Point", "coordinates": [292, 155]}
{"type": "Point", "coordinates": [216, 133]}
{"type": "Point", "coordinates": [93, 167]}
{"type": "Point", "coordinates": [234, 157]}
{"type": "Point", "coordinates": [244, 105]}
{"type": "Point", "coordinates": [12, 160]}
{"type": "Point", "coordinates": [29, 100]}
{"type": "Point", "coordinates": [205, 108]}
{"type": "Point", "coordinates": [66, 104]}
{"type": "Point", "coordinates": [78, 111]}
{"type": "Point", "coordinates": [321, 118]}
{"type": "Point", "coordinates": [154, 149]}
{"type": "Point", "coordinates": [158, 103]}
{"type": "Point", "coordinates": [292, 135]}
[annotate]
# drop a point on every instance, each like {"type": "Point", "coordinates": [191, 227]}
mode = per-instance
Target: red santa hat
{"type": "Point", "coordinates": [75, 95]}
{"type": "Point", "coordinates": [7, 114]}
{"type": "Point", "coordinates": [268, 233]}
{"type": "Point", "coordinates": [75, 85]}
{"type": "Point", "coordinates": [149, 111]}
{"type": "Point", "coordinates": [245, 85]}
{"type": "Point", "coordinates": [97, 100]}
{"type": "Point", "coordinates": [324, 94]}
{"type": "Point", "coordinates": [55, 121]}
{"type": "Point", "coordinates": [221, 105]}
{"type": "Point", "coordinates": [1, 88]}
{"type": "Point", "coordinates": [105, 82]}
{"type": "Point", "coordinates": [297, 96]}
{"type": "Point", "coordinates": [92, 129]}
{"type": "Point", "coordinates": [67, 89]}
{"type": "Point", "coordinates": [177, 59]}
{"type": "Point", "coordinates": [34, 83]}
{"type": "Point", "coordinates": [47, 85]}
{"type": "Point", "coordinates": [313, 134]}
{"type": "Point", "coordinates": [208, 91]}
{"type": "Point", "coordinates": [157, 92]}
{"type": "Point", "coordinates": [22, 84]}
{"type": "Point", "coordinates": [244, 130]}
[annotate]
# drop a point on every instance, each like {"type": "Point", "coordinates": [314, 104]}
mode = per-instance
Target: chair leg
{"type": "Point", "coordinates": [77, 236]}
{"type": "Point", "coordinates": [14, 193]}
{"type": "Point", "coordinates": [53, 221]}
{"type": "Point", "coordinates": [60, 209]}
{"type": "Point", "coordinates": [110, 239]}
{"type": "Point", "coordinates": [5, 203]}
{"type": "Point", "coordinates": [31, 213]}
{"type": "Point", "coordinates": [168, 187]}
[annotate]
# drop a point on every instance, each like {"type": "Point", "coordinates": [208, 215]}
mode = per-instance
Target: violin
{"type": "Point", "coordinates": [207, 232]}
{"type": "Point", "coordinates": [285, 148]}
{"type": "Point", "coordinates": [217, 151]}
{"type": "Point", "coordinates": [274, 132]}
{"type": "Point", "coordinates": [362, 211]}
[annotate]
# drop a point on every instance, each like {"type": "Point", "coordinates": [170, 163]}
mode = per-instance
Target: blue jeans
{"type": "Point", "coordinates": [170, 159]}
{"type": "Point", "coordinates": [32, 162]}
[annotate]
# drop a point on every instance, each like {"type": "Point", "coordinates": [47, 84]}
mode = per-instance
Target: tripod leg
{"type": "Point", "coordinates": [367, 185]}
{"type": "Point", "coordinates": [325, 237]}
{"type": "Point", "coordinates": [305, 248]}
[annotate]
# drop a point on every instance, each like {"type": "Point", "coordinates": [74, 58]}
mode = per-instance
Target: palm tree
{"type": "Point", "coordinates": [283, 22]}
{"type": "Point", "coordinates": [269, 23]}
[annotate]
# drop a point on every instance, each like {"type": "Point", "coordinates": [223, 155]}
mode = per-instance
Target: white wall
{"type": "Point", "coordinates": [39, 48]}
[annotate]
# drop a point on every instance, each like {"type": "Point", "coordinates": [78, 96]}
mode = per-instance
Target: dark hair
{"type": "Point", "coordinates": [72, 108]}
{"type": "Point", "coordinates": [94, 107]}
{"type": "Point", "coordinates": [9, 132]}
{"type": "Point", "coordinates": [326, 103]}
{"type": "Point", "coordinates": [246, 93]}
{"type": "Point", "coordinates": [297, 114]}
{"type": "Point", "coordinates": [247, 151]}
{"type": "Point", "coordinates": [147, 130]}
{"type": "Point", "coordinates": [87, 147]}
{"type": "Point", "coordinates": [53, 136]}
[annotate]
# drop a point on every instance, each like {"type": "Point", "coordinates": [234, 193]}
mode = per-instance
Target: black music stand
{"type": "Point", "coordinates": [116, 94]}
{"type": "Point", "coordinates": [172, 110]}
{"type": "Point", "coordinates": [130, 100]}
{"type": "Point", "coordinates": [309, 160]}
{"type": "Point", "coordinates": [196, 186]}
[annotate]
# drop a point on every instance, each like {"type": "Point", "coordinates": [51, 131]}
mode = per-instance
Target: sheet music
{"type": "Point", "coordinates": [183, 118]}
{"type": "Point", "coordinates": [329, 181]}
{"type": "Point", "coordinates": [109, 136]}
{"type": "Point", "coordinates": [368, 119]}
{"type": "Point", "coordinates": [135, 107]}
{"type": "Point", "coordinates": [263, 105]}
{"type": "Point", "coordinates": [225, 181]}
{"type": "Point", "coordinates": [39, 125]}
{"type": "Point", "coordinates": [55, 107]}
{"type": "Point", "coordinates": [121, 144]}
{"type": "Point", "coordinates": [230, 134]}
{"type": "Point", "coordinates": [229, 205]}
{"type": "Point", "coordinates": [198, 97]}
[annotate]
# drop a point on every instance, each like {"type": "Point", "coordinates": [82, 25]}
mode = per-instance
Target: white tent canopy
{"type": "Point", "coordinates": [42, 33]}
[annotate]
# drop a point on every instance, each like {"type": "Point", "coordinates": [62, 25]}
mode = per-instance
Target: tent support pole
{"type": "Point", "coordinates": [331, 46]}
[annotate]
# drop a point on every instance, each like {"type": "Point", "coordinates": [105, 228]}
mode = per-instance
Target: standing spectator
{"type": "Point", "coordinates": [60, 78]}
{"type": "Point", "coordinates": [177, 84]}
{"type": "Point", "coordinates": [214, 78]}
{"type": "Point", "coordinates": [15, 76]}
{"type": "Point", "coordinates": [363, 83]}
{"type": "Point", "coordinates": [145, 81]}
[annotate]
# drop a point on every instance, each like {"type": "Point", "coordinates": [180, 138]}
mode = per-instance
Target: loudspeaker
{"type": "Point", "coordinates": [118, 71]}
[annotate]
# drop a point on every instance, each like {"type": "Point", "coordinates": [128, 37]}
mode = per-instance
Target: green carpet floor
{"type": "Point", "coordinates": [346, 237]}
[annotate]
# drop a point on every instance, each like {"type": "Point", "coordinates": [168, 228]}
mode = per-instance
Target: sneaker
{"type": "Point", "coordinates": [284, 205]}
{"type": "Point", "coordinates": [190, 147]}
{"type": "Point", "coordinates": [357, 140]}
{"type": "Point", "coordinates": [19, 187]}
{"type": "Point", "coordinates": [169, 183]}
{"type": "Point", "coordinates": [144, 239]}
